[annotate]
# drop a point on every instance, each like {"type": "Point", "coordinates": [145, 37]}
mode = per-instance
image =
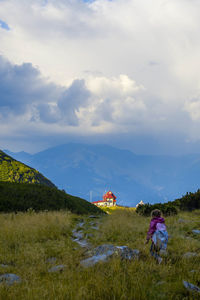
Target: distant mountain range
{"type": "Point", "coordinates": [88, 170]}
{"type": "Point", "coordinates": [12, 170]}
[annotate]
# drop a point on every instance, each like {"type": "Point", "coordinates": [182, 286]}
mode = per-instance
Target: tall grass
{"type": "Point", "coordinates": [28, 240]}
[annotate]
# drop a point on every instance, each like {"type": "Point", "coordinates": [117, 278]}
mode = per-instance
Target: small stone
{"type": "Point", "coordinates": [163, 252]}
{"type": "Point", "coordinates": [82, 243]}
{"type": "Point", "coordinates": [93, 217]}
{"type": "Point", "coordinates": [58, 268]}
{"type": "Point", "coordinates": [80, 224]}
{"type": "Point", "coordinates": [4, 266]}
{"type": "Point", "coordinates": [196, 231]}
{"type": "Point", "coordinates": [78, 234]}
{"type": "Point", "coordinates": [160, 283]}
{"type": "Point", "coordinates": [10, 279]}
{"type": "Point", "coordinates": [189, 254]}
{"type": "Point", "coordinates": [51, 260]}
{"type": "Point", "coordinates": [95, 227]}
{"type": "Point", "coordinates": [191, 287]}
{"type": "Point", "coordinates": [193, 271]}
{"type": "Point", "coordinates": [181, 220]}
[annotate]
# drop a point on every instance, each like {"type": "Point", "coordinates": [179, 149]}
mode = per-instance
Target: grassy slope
{"type": "Point", "coordinates": [26, 241]}
{"type": "Point", "coordinates": [12, 170]}
{"type": "Point", "coordinates": [22, 196]}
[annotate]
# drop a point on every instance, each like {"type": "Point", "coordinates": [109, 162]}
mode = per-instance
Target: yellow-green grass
{"type": "Point", "coordinates": [111, 209]}
{"type": "Point", "coordinates": [28, 240]}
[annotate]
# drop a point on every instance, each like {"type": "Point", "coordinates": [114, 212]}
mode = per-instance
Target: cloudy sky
{"type": "Point", "coordinates": [121, 72]}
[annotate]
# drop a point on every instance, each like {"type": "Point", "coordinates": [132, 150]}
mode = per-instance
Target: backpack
{"type": "Point", "coordinates": [160, 237]}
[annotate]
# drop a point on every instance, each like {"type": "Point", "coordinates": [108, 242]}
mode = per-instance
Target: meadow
{"type": "Point", "coordinates": [28, 240]}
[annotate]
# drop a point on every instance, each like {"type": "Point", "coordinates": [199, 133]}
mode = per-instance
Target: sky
{"type": "Point", "coordinates": [120, 72]}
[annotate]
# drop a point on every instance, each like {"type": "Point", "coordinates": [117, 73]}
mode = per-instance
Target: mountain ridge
{"type": "Point", "coordinates": [12, 170]}
{"type": "Point", "coordinates": [83, 169]}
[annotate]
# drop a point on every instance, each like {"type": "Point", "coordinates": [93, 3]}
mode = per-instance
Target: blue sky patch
{"type": "Point", "coordinates": [4, 25]}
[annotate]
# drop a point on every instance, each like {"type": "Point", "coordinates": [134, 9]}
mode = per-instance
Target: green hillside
{"type": "Point", "coordinates": [22, 196]}
{"type": "Point", "coordinates": [12, 170]}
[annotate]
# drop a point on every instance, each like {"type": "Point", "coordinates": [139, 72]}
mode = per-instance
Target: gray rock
{"type": "Point", "coordinates": [122, 251]}
{"type": "Point", "coordinates": [127, 253]}
{"type": "Point", "coordinates": [163, 252]}
{"type": "Point", "coordinates": [78, 238]}
{"type": "Point", "coordinates": [193, 271]}
{"type": "Point", "coordinates": [196, 231]}
{"type": "Point", "coordinates": [93, 217]}
{"type": "Point", "coordinates": [51, 260]}
{"type": "Point", "coordinates": [91, 261]}
{"type": "Point", "coordinates": [104, 252]}
{"type": "Point", "coordinates": [191, 287]}
{"type": "Point", "coordinates": [9, 279]}
{"type": "Point", "coordinates": [105, 249]}
{"type": "Point", "coordinates": [58, 268]}
{"type": "Point", "coordinates": [181, 220]}
{"type": "Point", "coordinates": [77, 234]}
{"type": "Point", "coordinates": [190, 254]}
{"type": "Point", "coordinates": [4, 266]}
{"type": "Point", "coordinates": [160, 283]}
{"type": "Point", "coordinates": [95, 227]}
{"type": "Point", "coordinates": [82, 243]}
{"type": "Point", "coordinates": [80, 224]}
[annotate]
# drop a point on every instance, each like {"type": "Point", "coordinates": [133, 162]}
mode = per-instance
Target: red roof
{"type": "Point", "coordinates": [109, 195]}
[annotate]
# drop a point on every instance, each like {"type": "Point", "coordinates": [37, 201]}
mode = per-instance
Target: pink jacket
{"type": "Point", "coordinates": [157, 223]}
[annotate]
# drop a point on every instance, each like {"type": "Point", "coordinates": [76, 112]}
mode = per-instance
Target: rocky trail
{"type": "Point", "coordinates": [101, 252]}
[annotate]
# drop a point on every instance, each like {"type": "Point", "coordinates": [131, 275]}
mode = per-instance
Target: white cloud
{"type": "Point", "coordinates": [193, 108]}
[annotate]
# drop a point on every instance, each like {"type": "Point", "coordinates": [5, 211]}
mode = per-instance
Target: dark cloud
{"type": "Point", "coordinates": [72, 98]}
{"type": "Point", "coordinates": [21, 87]}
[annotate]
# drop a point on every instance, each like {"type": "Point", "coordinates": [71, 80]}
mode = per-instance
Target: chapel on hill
{"type": "Point", "coordinates": [109, 199]}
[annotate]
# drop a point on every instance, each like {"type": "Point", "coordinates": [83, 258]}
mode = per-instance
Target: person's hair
{"type": "Point", "coordinates": [156, 213]}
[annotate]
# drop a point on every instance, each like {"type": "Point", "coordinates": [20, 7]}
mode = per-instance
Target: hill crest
{"type": "Point", "coordinates": [12, 170]}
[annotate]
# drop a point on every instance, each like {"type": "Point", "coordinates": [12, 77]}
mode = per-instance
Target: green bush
{"type": "Point", "coordinates": [189, 202]}
{"type": "Point", "coordinates": [166, 208]}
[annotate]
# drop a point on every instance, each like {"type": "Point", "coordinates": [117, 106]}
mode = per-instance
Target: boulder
{"type": "Point", "coordinates": [9, 279]}
{"type": "Point", "coordinates": [104, 252]}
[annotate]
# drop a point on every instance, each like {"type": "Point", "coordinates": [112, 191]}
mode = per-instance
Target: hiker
{"type": "Point", "coordinates": [158, 235]}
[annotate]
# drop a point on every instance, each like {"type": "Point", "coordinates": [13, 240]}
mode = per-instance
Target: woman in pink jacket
{"type": "Point", "coordinates": [158, 235]}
